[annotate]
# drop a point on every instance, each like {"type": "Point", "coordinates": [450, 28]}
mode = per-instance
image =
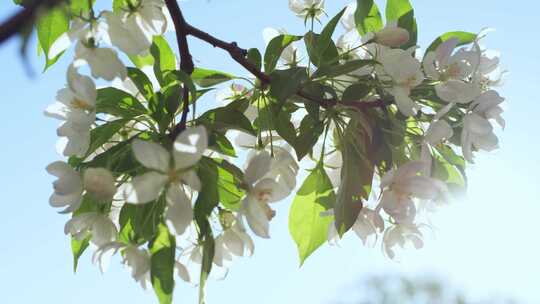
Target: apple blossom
{"type": "Point", "coordinates": [401, 185]}
{"type": "Point", "coordinates": [99, 226]}
{"type": "Point", "coordinates": [188, 149]}
{"type": "Point", "coordinates": [392, 36]}
{"type": "Point", "coordinates": [75, 105]}
{"type": "Point", "coordinates": [260, 192]}
{"type": "Point", "coordinates": [99, 183]}
{"type": "Point", "coordinates": [68, 188]}
{"type": "Point", "coordinates": [307, 8]}
{"type": "Point", "coordinates": [405, 74]}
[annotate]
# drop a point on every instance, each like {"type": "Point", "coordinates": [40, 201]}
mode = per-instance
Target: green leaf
{"type": "Point", "coordinates": [317, 55]}
{"type": "Point", "coordinates": [164, 59]}
{"type": "Point", "coordinates": [226, 118]}
{"type": "Point", "coordinates": [356, 92]}
{"type": "Point", "coordinates": [229, 179]}
{"type": "Point", "coordinates": [217, 141]}
{"type": "Point", "coordinates": [367, 17]}
{"type": "Point", "coordinates": [207, 258]}
{"type": "Point", "coordinates": [401, 11]}
{"type": "Point", "coordinates": [117, 159]}
{"type": "Point", "coordinates": [341, 69]}
{"type": "Point", "coordinates": [207, 200]}
{"type": "Point", "coordinates": [307, 227]}
{"type": "Point", "coordinates": [285, 128]}
{"type": "Point", "coordinates": [78, 7]}
{"type": "Point", "coordinates": [255, 57]}
{"type": "Point", "coordinates": [274, 50]}
{"type": "Point", "coordinates": [309, 132]}
{"type": "Point", "coordinates": [356, 176]}
{"type": "Point", "coordinates": [208, 197]}
{"type": "Point", "coordinates": [325, 38]}
{"type": "Point", "coordinates": [139, 223]}
{"type": "Point", "coordinates": [207, 78]}
{"type": "Point", "coordinates": [119, 5]}
{"type": "Point", "coordinates": [186, 80]}
{"type": "Point", "coordinates": [463, 38]}
{"type": "Point", "coordinates": [142, 61]}
{"type": "Point", "coordinates": [118, 103]}
{"type": "Point", "coordinates": [50, 27]}
{"type": "Point", "coordinates": [103, 133]}
{"type": "Point", "coordinates": [142, 82]}
{"type": "Point", "coordinates": [78, 248]}
{"type": "Point", "coordinates": [285, 83]}
{"type": "Point", "coordinates": [162, 261]}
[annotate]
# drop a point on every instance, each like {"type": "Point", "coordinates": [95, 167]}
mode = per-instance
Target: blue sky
{"type": "Point", "coordinates": [487, 243]}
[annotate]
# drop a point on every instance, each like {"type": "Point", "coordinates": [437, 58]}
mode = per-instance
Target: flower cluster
{"type": "Point", "coordinates": [383, 133]}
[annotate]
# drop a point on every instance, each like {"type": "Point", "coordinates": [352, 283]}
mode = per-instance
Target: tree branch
{"type": "Point", "coordinates": [186, 60]}
{"type": "Point", "coordinates": [23, 18]}
{"type": "Point", "coordinates": [239, 55]}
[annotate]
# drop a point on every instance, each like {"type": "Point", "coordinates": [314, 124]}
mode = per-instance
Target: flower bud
{"type": "Point", "coordinates": [99, 183]}
{"type": "Point", "coordinates": [392, 36]}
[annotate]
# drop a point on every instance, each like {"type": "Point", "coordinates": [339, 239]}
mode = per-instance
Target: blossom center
{"type": "Point", "coordinates": [81, 105]}
{"type": "Point", "coordinates": [264, 195]}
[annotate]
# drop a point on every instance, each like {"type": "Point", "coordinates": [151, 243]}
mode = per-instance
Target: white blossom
{"type": "Point", "coordinates": [405, 74]}
{"type": "Point", "coordinates": [132, 31]}
{"type": "Point", "coordinates": [453, 70]}
{"type": "Point", "coordinates": [68, 188]}
{"type": "Point", "coordinates": [260, 192]}
{"type": "Point", "coordinates": [392, 36]}
{"type": "Point", "coordinates": [188, 149]}
{"type": "Point", "coordinates": [401, 235]}
{"type": "Point", "coordinates": [307, 8]}
{"type": "Point", "coordinates": [75, 106]}
{"type": "Point", "coordinates": [402, 185]}
{"type": "Point", "coordinates": [101, 228]}
{"type": "Point", "coordinates": [99, 183]}
{"type": "Point", "coordinates": [138, 260]}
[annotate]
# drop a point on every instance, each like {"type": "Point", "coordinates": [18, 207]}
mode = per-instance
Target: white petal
{"type": "Point", "coordinates": [409, 170]}
{"type": "Point", "coordinates": [191, 179]}
{"type": "Point", "coordinates": [257, 167]}
{"type": "Point", "coordinates": [189, 147]}
{"type": "Point", "coordinates": [233, 242]}
{"type": "Point", "coordinates": [179, 213]}
{"type": "Point", "coordinates": [99, 183]}
{"type": "Point", "coordinates": [256, 217]}
{"type": "Point", "coordinates": [404, 103]}
{"type": "Point", "coordinates": [151, 155]}
{"type": "Point", "coordinates": [103, 231]}
{"type": "Point", "coordinates": [275, 191]}
{"type": "Point", "coordinates": [80, 223]}
{"type": "Point", "coordinates": [438, 131]}
{"type": "Point", "coordinates": [477, 124]}
{"type": "Point", "coordinates": [445, 49]}
{"type": "Point", "coordinates": [183, 272]}
{"type": "Point", "coordinates": [421, 187]}
{"type": "Point", "coordinates": [144, 188]}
